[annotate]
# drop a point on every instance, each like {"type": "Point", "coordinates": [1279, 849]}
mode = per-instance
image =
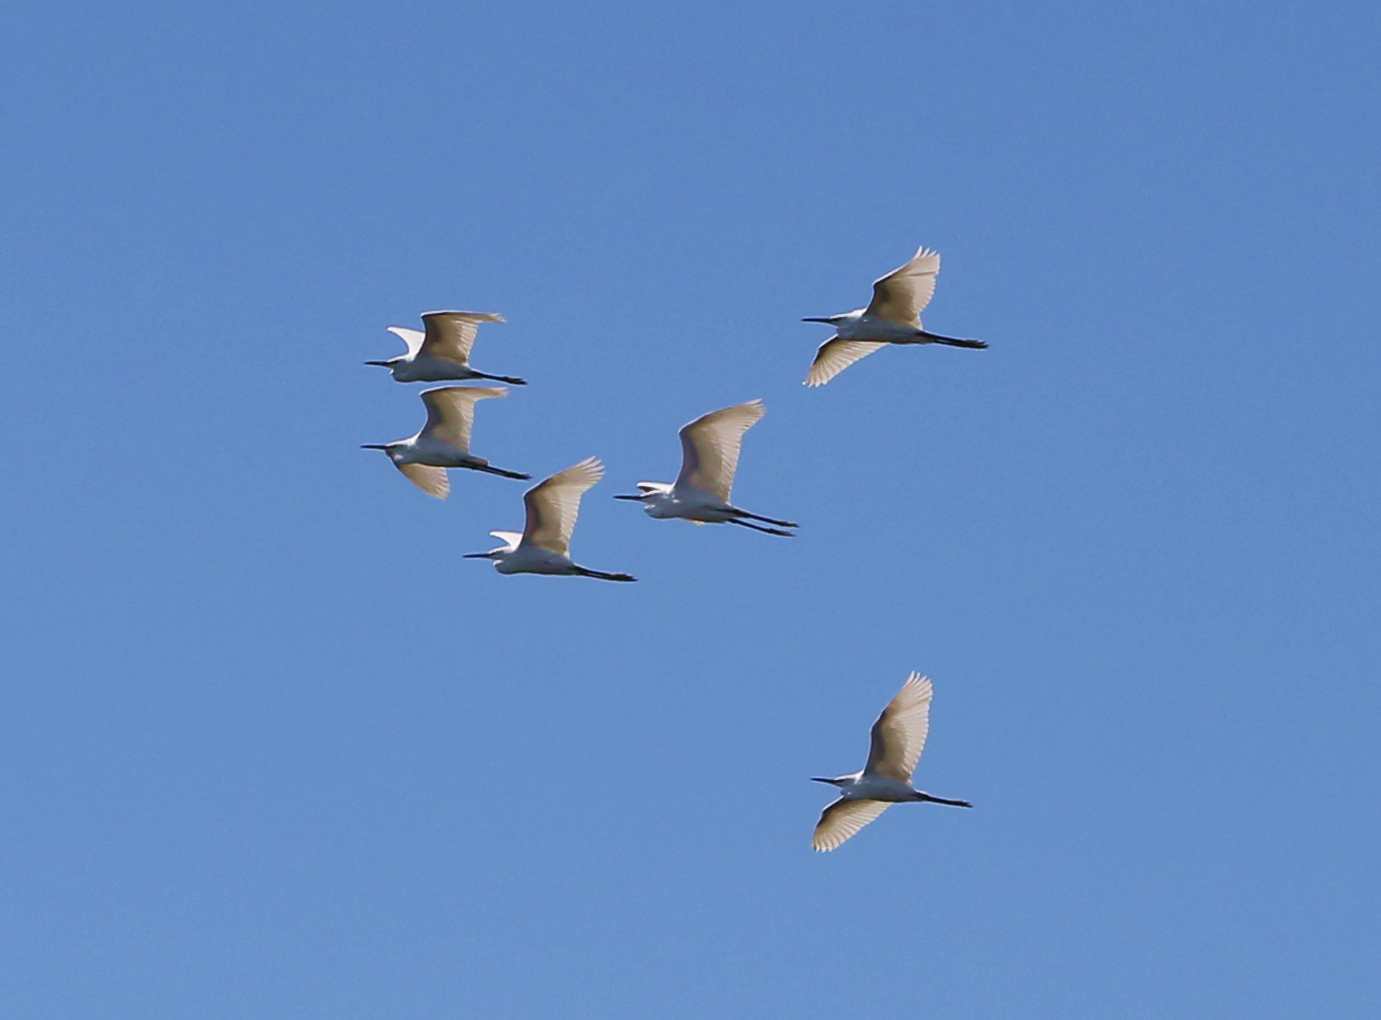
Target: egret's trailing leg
{"type": "Point", "coordinates": [952, 341]}
{"type": "Point", "coordinates": [766, 520]}
{"type": "Point", "coordinates": [490, 469]}
{"type": "Point", "coordinates": [759, 527]}
{"type": "Point", "coordinates": [604, 575]}
{"type": "Point", "coordinates": [941, 800]}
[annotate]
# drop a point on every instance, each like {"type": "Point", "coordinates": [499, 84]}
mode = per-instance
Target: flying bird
{"type": "Point", "coordinates": [897, 740]}
{"type": "Point", "coordinates": [709, 457]}
{"type": "Point", "coordinates": [892, 317]}
{"type": "Point", "coordinates": [442, 353]}
{"type": "Point", "coordinates": [544, 547]}
{"type": "Point", "coordinates": [444, 441]}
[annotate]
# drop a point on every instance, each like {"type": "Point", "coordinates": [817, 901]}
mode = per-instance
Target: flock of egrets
{"type": "Point", "coordinates": [710, 448]}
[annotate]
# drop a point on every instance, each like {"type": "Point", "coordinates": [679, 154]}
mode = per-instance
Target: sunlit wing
{"type": "Point", "coordinates": [836, 355]}
{"type": "Point", "coordinates": [554, 504]}
{"type": "Point", "coordinates": [898, 736]}
{"type": "Point", "coordinates": [431, 480]}
{"type": "Point", "coordinates": [451, 411]}
{"type": "Point", "coordinates": [412, 337]}
{"type": "Point", "coordinates": [842, 819]}
{"type": "Point", "coordinates": [901, 294]}
{"type": "Point", "coordinates": [710, 447]}
{"type": "Point", "coordinates": [451, 335]}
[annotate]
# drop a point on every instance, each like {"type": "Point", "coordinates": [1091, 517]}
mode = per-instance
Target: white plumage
{"type": "Point", "coordinates": [710, 447]}
{"type": "Point", "coordinates": [892, 317]}
{"type": "Point", "coordinates": [896, 742]}
{"type": "Point", "coordinates": [544, 547]}
{"type": "Point", "coordinates": [442, 352]}
{"type": "Point", "coordinates": [444, 441]}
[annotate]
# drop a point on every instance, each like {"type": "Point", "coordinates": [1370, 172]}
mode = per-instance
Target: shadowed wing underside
{"type": "Point", "coordinates": [710, 447]}
{"type": "Point", "coordinates": [842, 819]}
{"type": "Point", "coordinates": [554, 504]}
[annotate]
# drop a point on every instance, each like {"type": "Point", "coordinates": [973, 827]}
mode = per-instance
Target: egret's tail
{"type": "Point", "coordinates": [950, 341]}
{"type": "Point", "coordinates": [603, 575]}
{"type": "Point", "coordinates": [512, 380]}
{"type": "Point", "coordinates": [489, 468]}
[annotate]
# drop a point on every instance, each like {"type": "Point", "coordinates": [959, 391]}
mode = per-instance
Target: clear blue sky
{"type": "Point", "coordinates": [270, 748]}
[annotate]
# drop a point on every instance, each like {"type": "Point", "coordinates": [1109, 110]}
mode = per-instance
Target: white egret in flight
{"type": "Point", "coordinates": [444, 441]}
{"type": "Point", "coordinates": [897, 740]}
{"type": "Point", "coordinates": [892, 317]}
{"type": "Point", "coordinates": [709, 457]}
{"type": "Point", "coordinates": [544, 547]}
{"type": "Point", "coordinates": [442, 353]}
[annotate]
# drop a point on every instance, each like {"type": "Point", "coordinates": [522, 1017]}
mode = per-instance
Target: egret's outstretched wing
{"type": "Point", "coordinates": [451, 412]}
{"type": "Point", "coordinates": [554, 504]}
{"type": "Point", "coordinates": [835, 355]}
{"type": "Point", "coordinates": [899, 734]}
{"type": "Point", "coordinates": [452, 334]}
{"type": "Point", "coordinates": [510, 539]}
{"type": "Point", "coordinates": [431, 480]}
{"type": "Point", "coordinates": [842, 819]}
{"type": "Point", "coordinates": [901, 294]}
{"type": "Point", "coordinates": [412, 337]}
{"type": "Point", "coordinates": [710, 447]}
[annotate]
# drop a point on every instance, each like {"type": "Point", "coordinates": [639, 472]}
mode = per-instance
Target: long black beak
{"type": "Point", "coordinates": [636, 499]}
{"type": "Point", "coordinates": [815, 318]}
{"type": "Point", "coordinates": [821, 779]}
{"type": "Point", "coordinates": [474, 556]}
{"type": "Point", "coordinates": [373, 446]}
{"type": "Point", "coordinates": [381, 364]}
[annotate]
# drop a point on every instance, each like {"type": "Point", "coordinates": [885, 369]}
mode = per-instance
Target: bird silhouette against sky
{"type": "Point", "coordinates": [892, 317]}
{"type": "Point", "coordinates": [897, 739]}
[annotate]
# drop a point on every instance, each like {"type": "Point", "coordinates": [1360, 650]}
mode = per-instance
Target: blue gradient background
{"type": "Point", "coordinates": [270, 748]}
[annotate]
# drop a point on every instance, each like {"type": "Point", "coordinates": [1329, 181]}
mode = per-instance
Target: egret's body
{"type": "Point", "coordinates": [544, 547]}
{"type": "Point", "coordinates": [444, 441]}
{"type": "Point", "coordinates": [897, 739]}
{"type": "Point", "coordinates": [710, 448]}
{"type": "Point", "coordinates": [892, 317]}
{"type": "Point", "coordinates": [442, 353]}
